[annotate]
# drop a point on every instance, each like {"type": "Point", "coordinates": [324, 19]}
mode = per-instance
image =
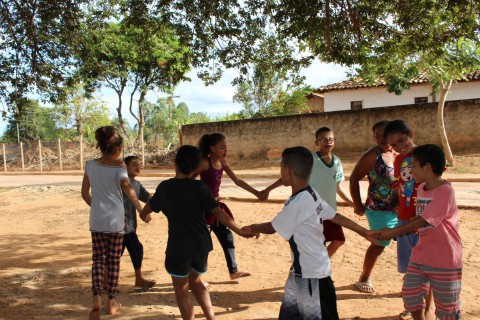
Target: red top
{"type": "Point", "coordinates": [406, 186]}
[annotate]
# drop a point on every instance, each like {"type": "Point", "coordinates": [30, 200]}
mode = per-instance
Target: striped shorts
{"type": "Point", "coordinates": [446, 286]}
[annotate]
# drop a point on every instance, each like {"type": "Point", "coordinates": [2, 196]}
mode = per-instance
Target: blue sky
{"type": "Point", "coordinates": [217, 99]}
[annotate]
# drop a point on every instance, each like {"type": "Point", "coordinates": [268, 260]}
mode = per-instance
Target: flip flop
{"type": "Point", "coordinates": [365, 286]}
{"type": "Point", "coordinates": [146, 286]}
{"type": "Point", "coordinates": [405, 315]}
{"type": "Point", "coordinates": [239, 274]}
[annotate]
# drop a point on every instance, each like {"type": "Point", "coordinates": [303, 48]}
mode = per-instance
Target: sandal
{"type": "Point", "coordinates": [239, 274]}
{"type": "Point", "coordinates": [146, 286]}
{"type": "Point", "coordinates": [405, 315]}
{"type": "Point", "coordinates": [365, 286]}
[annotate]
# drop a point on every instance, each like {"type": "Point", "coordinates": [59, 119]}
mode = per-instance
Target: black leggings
{"type": "Point", "coordinates": [135, 249]}
{"type": "Point", "coordinates": [225, 237]}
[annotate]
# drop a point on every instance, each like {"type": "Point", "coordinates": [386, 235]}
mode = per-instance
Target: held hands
{"type": "Point", "coordinates": [359, 210]}
{"type": "Point", "coordinates": [248, 232]}
{"type": "Point", "coordinates": [146, 217]}
{"type": "Point", "coordinates": [263, 195]}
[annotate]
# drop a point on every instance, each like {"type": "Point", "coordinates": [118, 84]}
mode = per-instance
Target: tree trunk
{"type": "Point", "coordinates": [121, 123]}
{"type": "Point", "coordinates": [141, 123]}
{"type": "Point", "coordinates": [444, 89]}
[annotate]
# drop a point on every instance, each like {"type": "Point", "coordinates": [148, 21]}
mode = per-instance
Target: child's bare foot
{"type": "Point", "coordinates": [97, 305]}
{"type": "Point", "coordinates": [113, 306]}
{"type": "Point", "coordinates": [144, 285]}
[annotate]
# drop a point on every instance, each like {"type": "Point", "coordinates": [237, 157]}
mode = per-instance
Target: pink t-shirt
{"type": "Point", "coordinates": [439, 243]}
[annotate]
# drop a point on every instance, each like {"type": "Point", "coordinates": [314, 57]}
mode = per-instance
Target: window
{"type": "Point", "coordinates": [421, 100]}
{"type": "Point", "coordinates": [356, 105]}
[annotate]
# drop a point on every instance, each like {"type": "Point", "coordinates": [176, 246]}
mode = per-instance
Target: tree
{"type": "Point", "coordinates": [393, 40]}
{"type": "Point", "coordinates": [80, 114]}
{"type": "Point", "coordinates": [35, 55]}
{"type": "Point", "coordinates": [34, 122]}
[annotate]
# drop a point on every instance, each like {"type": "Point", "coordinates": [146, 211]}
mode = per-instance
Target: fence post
{"type": "Point", "coordinates": [81, 152]}
{"type": "Point", "coordinates": [60, 154]}
{"type": "Point", "coordinates": [40, 154]}
{"type": "Point", "coordinates": [4, 159]}
{"type": "Point", "coordinates": [21, 155]}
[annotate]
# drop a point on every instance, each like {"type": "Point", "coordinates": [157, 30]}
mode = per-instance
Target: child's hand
{"type": "Point", "coordinates": [263, 195]}
{"type": "Point", "coordinates": [360, 211]}
{"type": "Point", "coordinates": [385, 234]}
{"type": "Point", "coordinates": [249, 233]}
{"type": "Point", "coordinates": [372, 236]}
{"type": "Point", "coordinates": [146, 217]}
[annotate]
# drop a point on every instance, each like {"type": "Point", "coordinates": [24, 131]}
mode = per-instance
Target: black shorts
{"type": "Point", "coordinates": [181, 266]}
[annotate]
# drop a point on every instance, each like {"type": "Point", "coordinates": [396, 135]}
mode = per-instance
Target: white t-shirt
{"type": "Point", "coordinates": [301, 223]}
{"type": "Point", "coordinates": [107, 213]}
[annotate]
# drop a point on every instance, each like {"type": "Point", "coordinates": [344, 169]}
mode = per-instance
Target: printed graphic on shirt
{"type": "Point", "coordinates": [407, 183]}
{"type": "Point", "coordinates": [422, 204]}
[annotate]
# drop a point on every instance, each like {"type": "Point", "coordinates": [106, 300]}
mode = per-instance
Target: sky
{"type": "Point", "coordinates": [217, 99]}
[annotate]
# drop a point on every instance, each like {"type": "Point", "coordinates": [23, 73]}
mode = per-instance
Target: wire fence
{"type": "Point", "coordinates": [61, 155]}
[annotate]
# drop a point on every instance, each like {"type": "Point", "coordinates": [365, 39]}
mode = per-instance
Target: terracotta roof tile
{"type": "Point", "coordinates": [357, 83]}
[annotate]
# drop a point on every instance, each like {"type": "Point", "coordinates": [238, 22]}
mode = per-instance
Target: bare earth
{"type": "Point", "coordinates": [45, 261]}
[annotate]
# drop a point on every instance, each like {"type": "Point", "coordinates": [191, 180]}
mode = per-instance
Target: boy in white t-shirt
{"type": "Point", "coordinates": [436, 260]}
{"type": "Point", "coordinates": [309, 291]}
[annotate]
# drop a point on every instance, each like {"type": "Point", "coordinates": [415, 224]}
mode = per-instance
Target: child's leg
{"type": "Point", "coordinates": [429, 305]}
{"type": "Point", "coordinates": [446, 286]}
{"type": "Point", "coordinates": [201, 294]}
{"type": "Point", "coordinates": [99, 256]}
{"type": "Point", "coordinates": [184, 302]}
{"type": "Point", "coordinates": [225, 237]}
{"type": "Point", "coordinates": [115, 245]}
{"type": "Point", "coordinates": [334, 246]}
{"type": "Point", "coordinates": [415, 289]}
{"type": "Point", "coordinates": [135, 249]}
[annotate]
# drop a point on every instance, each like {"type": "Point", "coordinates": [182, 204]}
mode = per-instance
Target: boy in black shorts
{"type": "Point", "coordinates": [309, 291]}
{"type": "Point", "coordinates": [184, 202]}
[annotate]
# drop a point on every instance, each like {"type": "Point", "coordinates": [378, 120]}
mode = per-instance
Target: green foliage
{"type": "Point", "coordinates": [81, 114]}
{"type": "Point", "coordinates": [34, 122]}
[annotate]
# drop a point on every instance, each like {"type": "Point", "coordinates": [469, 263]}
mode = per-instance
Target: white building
{"type": "Point", "coordinates": [353, 94]}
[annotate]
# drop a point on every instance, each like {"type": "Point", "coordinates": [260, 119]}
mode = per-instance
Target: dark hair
{"type": "Point", "coordinates": [208, 140]}
{"type": "Point", "coordinates": [396, 126]}
{"type": "Point", "coordinates": [300, 160]}
{"type": "Point", "coordinates": [321, 130]}
{"type": "Point", "coordinates": [130, 158]}
{"type": "Point", "coordinates": [381, 123]}
{"type": "Point", "coordinates": [433, 154]}
{"type": "Point", "coordinates": [108, 139]}
{"type": "Point", "coordinates": [188, 159]}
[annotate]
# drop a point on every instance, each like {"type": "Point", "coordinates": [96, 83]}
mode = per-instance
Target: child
{"type": "Point", "coordinates": [327, 173]}
{"type": "Point", "coordinates": [309, 291]}
{"type": "Point", "coordinates": [184, 201]}
{"type": "Point", "coordinates": [130, 238]}
{"type": "Point", "coordinates": [400, 137]}
{"type": "Point", "coordinates": [108, 179]}
{"type": "Point", "coordinates": [382, 201]}
{"type": "Point", "coordinates": [436, 260]}
{"type": "Point", "coordinates": [214, 151]}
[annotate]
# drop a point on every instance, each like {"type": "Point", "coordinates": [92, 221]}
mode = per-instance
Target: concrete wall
{"type": "Point", "coordinates": [266, 138]}
{"type": "Point", "coordinates": [379, 97]}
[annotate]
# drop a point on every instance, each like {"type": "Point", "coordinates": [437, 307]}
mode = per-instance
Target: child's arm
{"type": "Point", "coordinates": [130, 193]}
{"type": "Point", "coordinates": [263, 195]}
{"type": "Point", "coordinates": [412, 225]}
{"type": "Point", "coordinates": [145, 214]}
{"type": "Point", "coordinates": [226, 220]}
{"type": "Point", "coordinates": [363, 166]}
{"type": "Point", "coordinates": [87, 197]}
{"type": "Point", "coordinates": [349, 224]}
{"type": "Point", "coordinates": [203, 167]}
{"type": "Point", "coordinates": [343, 195]}
{"type": "Point", "coordinates": [239, 182]}
{"type": "Point", "coordinates": [266, 228]}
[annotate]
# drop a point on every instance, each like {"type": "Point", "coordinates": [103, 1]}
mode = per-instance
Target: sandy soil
{"type": "Point", "coordinates": [45, 264]}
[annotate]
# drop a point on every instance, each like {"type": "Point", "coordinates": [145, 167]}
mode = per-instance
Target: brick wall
{"type": "Point", "coordinates": [265, 138]}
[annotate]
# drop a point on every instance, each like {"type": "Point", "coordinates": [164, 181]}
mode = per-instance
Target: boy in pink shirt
{"type": "Point", "coordinates": [436, 260]}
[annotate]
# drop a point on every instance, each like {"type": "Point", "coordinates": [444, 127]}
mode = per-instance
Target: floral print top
{"type": "Point", "coordinates": [381, 197]}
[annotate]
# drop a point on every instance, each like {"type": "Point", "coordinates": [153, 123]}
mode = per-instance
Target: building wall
{"type": "Point", "coordinates": [380, 97]}
{"type": "Point", "coordinates": [266, 138]}
{"type": "Point", "coordinates": [315, 104]}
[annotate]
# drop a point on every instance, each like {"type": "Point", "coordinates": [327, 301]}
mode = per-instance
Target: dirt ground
{"type": "Point", "coordinates": [46, 259]}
